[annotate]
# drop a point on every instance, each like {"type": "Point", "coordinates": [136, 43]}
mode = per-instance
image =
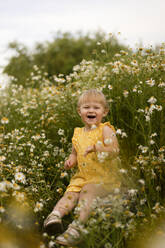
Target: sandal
{"type": "Point", "coordinates": [70, 237]}
{"type": "Point", "coordinates": [53, 224]}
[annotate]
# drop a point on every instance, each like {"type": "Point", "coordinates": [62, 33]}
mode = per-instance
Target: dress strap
{"type": "Point", "coordinates": [108, 124]}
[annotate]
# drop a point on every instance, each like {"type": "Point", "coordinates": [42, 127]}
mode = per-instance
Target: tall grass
{"type": "Point", "coordinates": [36, 126]}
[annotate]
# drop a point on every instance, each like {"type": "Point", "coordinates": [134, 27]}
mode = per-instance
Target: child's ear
{"type": "Point", "coordinates": [105, 112]}
{"type": "Point", "coordinates": [78, 111]}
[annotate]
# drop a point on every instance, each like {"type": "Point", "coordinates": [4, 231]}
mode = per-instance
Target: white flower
{"type": "Point", "coordinates": [158, 188]}
{"type": "Point", "coordinates": [108, 245]}
{"type": "Point", "coordinates": [64, 174]}
{"type": "Point", "coordinates": [4, 120]}
{"type": "Point", "coordinates": [153, 135]}
{"type": "Point", "coordinates": [102, 156]}
{"type": "Point", "coordinates": [118, 131]}
{"type": "Point", "coordinates": [76, 68]}
{"type": "Point", "coordinates": [51, 244]}
{"type": "Point", "coordinates": [20, 177]}
{"type": "Point", "coordinates": [36, 137]}
{"type": "Point", "coordinates": [16, 186]}
{"type": "Point", "coordinates": [161, 85]}
{"type": "Point", "coordinates": [142, 201]}
{"type": "Point", "coordinates": [125, 93]}
{"type": "Point", "coordinates": [115, 70]}
{"type": "Point", "coordinates": [141, 181]}
{"type": "Point", "coordinates": [117, 55]}
{"type": "Point", "coordinates": [107, 141]}
{"type": "Point", "coordinates": [110, 87]}
{"type": "Point", "coordinates": [147, 118]}
{"type": "Point", "coordinates": [144, 149]}
{"type": "Point", "coordinates": [158, 107]}
{"type": "Point", "coordinates": [152, 100]}
{"type": "Point", "coordinates": [151, 109]}
{"type": "Point", "coordinates": [9, 185]}
{"type": "Point", "coordinates": [132, 192]}
{"type": "Point", "coordinates": [118, 225]}
{"type": "Point", "coordinates": [134, 63]}
{"type": "Point", "coordinates": [38, 206]}
{"type": "Point", "coordinates": [2, 209]}
{"type": "Point", "coordinates": [124, 135]}
{"type": "Point", "coordinates": [93, 126]}
{"type": "Point", "coordinates": [19, 196]}
{"type": "Point", "coordinates": [2, 158]}
{"type": "Point", "coordinates": [152, 142]}
{"type": "Point", "coordinates": [3, 186]}
{"type": "Point", "coordinates": [123, 171]}
{"type": "Point", "coordinates": [46, 154]}
{"type": "Point", "coordinates": [140, 110]}
{"type": "Point", "coordinates": [150, 82]}
{"type": "Point", "coordinates": [60, 132]}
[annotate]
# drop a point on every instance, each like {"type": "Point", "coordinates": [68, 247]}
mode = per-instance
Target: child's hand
{"type": "Point", "coordinates": [89, 150]}
{"type": "Point", "coordinates": [69, 163]}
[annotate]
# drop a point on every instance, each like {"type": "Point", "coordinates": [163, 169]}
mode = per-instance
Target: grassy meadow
{"type": "Point", "coordinates": [36, 126]}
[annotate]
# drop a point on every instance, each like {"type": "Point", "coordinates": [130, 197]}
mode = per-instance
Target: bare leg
{"type": "Point", "coordinates": [53, 222]}
{"type": "Point", "coordinates": [72, 235]}
{"type": "Point", "coordinates": [88, 193]}
{"type": "Point", "coordinates": [66, 203]}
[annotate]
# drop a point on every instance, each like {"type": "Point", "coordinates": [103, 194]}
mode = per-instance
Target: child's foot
{"type": "Point", "coordinates": [53, 224]}
{"type": "Point", "coordinates": [70, 237]}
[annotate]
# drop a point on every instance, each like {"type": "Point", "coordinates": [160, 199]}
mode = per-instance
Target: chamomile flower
{"type": "Point", "coordinates": [125, 93]}
{"type": "Point", "coordinates": [2, 209]}
{"type": "Point", "coordinates": [102, 156]}
{"type": "Point", "coordinates": [64, 174]}
{"type": "Point", "coordinates": [93, 127]}
{"type": "Point", "coordinates": [38, 207]}
{"type": "Point", "coordinates": [4, 120]}
{"type": "Point", "coordinates": [152, 100]}
{"type": "Point", "coordinates": [107, 141]}
{"type": "Point", "coordinates": [132, 192]}
{"type": "Point", "coordinates": [60, 132]}
{"type": "Point", "coordinates": [3, 186]}
{"type": "Point", "coordinates": [141, 181]}
{"type": "Point", "coordinates": [150, 82]}
{"type": "Point", "coordinates": [2, 158]}
{"type": "Point", "coordinates": [110, 87]}
{"type": "Point", "coordinates": [20, 177]}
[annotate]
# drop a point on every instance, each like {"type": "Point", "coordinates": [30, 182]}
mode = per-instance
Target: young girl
{"type": "Point", "coordinates": [95, 151]}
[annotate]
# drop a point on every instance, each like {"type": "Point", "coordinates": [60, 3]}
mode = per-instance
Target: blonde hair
{"type": "Point", "coordinates": [93, 94]}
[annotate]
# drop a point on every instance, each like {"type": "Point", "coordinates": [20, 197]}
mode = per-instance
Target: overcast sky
{"type": "Point", "coordinates": [29, 21]}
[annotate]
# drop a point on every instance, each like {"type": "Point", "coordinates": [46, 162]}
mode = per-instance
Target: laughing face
{"type": "Point", "coordinates": [91, 113]}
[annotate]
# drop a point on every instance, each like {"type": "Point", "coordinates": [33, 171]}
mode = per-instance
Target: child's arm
{"type": "Point", "coordinates": [72, 160]}
{"type": "Point", "coordinates": [110, 143]}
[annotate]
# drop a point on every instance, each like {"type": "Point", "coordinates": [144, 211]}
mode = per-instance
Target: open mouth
{"type": "Point", "coordinates": [91, 116]}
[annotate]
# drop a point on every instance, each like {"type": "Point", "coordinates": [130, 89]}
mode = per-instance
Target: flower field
{"type": "Point", "coordinates": [36, 126]}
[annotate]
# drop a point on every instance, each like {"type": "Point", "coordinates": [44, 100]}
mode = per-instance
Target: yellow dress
{"type": "Point", "coordinates": [90, 169]}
